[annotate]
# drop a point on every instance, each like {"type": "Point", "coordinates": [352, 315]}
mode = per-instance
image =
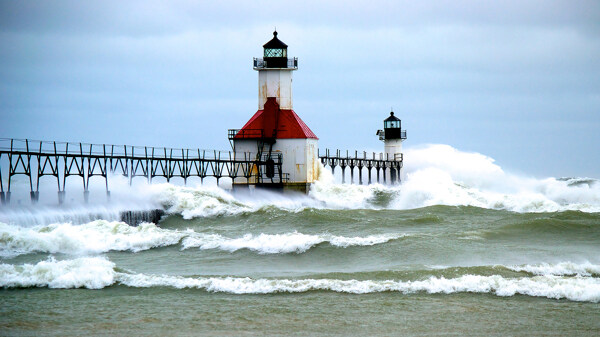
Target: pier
{"type": "Point", "coordinates": [60, 160]}
{"type": "Point", "coordinates": [36, 159]}
{"type": "Point", "coordinates": [381, 162]}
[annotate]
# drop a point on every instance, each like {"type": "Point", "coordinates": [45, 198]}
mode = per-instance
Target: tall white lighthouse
{"type": "Point", "coordinates": [392, 136]}
{"type": "Point", "coordinates": [275, 130]}
{"type": "Point", "coordinates": [275, 74]}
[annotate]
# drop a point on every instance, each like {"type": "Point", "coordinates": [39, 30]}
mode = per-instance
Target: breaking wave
{"type": "Point", "coordinates": [204, 201]}
{"type": "Point", "coordinates": [560, 269]}
{"type": "Point", "coordinates": [94, 237]}
{"type": "Point", "coordinates": [99, 272]}
{"type": "Point", "coordinates": [102, 236]}
{"type": "Point", "coordinates": [90, 272]}
{"type": "Point", "coordinates": [433, 175]}
{"type": "Point", "coordinates": [442, 175]}
{"type": "Point", "coordinates": [282, 243]}
{"type": "Point", "coordinates": [575, 289]}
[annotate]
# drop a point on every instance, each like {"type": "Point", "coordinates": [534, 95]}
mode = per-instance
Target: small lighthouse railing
{"type": "Point", "coordinates": [259, 63]}
{"type": "Point", "coordinates": [245, 133]}
{"type": "Point", "coordinates": [381, 134]}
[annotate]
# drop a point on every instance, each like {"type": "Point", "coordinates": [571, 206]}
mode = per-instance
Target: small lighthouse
{"type": "Point", "coordinates": [392, 136]}
{"type": "Point", "coordinates": [276, 131]}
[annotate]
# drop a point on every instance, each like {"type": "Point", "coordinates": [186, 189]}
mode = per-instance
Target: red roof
{"type": "Point", "coordinates": [273, 121]}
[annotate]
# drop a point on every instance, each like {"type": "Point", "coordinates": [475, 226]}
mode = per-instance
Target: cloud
{"type": "Point", "coordinates": [150, 17]}
{"type": "Point", "coordinates": [179, 73]}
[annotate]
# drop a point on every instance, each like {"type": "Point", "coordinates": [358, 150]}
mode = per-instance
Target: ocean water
{"type": "Point", "coordinates": [461, 247]}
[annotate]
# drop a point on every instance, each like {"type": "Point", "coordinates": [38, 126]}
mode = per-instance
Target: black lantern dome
{"type": "Point", "coordinates": [392, 122]}
{"type": "Point", "coordinates": [275, 54]}
{"type": "Point", "coordinates": [392, 127]}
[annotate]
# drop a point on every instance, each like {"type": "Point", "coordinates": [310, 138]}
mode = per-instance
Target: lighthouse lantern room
{"type": "Point", "coordinates": [275, 130]}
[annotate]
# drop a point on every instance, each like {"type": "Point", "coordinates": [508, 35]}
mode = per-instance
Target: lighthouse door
{"type": "Point", "coordinates": [270, 168]}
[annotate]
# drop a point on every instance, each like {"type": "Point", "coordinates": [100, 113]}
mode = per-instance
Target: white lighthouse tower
{"type": "Point", "coordinates": [275, 130]}
{"type": "Point", "coordinates": [392, 136]}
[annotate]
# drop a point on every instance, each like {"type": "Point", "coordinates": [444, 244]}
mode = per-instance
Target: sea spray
{"type": "Point", "coordinates": [46, 215]}
{"type": "Point", "coordinates": [442, 175]}
{"type": "Point", "coordinates": [343, 196]}
{"type": "Point", "coordinates": [193, 202]}
{"type": "Point", "coordinates": [433, 175]}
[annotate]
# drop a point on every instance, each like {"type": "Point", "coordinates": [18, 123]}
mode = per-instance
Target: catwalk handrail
{"type": "Point", "coordinates": [33, 147]}
{"type": "Point", "coordinates": [383, 157]}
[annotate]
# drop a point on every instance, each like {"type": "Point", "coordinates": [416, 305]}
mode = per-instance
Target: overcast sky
{"type": "Point", "coordinates": [518, 81]}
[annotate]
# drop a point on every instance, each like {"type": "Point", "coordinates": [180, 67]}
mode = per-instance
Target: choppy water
{"type": "Point", "coordinates": [454, 250]}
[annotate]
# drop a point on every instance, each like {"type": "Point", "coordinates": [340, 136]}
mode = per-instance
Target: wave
{"type": "Point", "coordinates": [190, 202]}
{"type": "Point", "coordinates": [442, 175]}
{"type": "Point", "coordinates": [98, 273]}
{"type": "Point", "coordinates": [575, 289]}
{"type": "Point", "coordinates": [433, 175]}
{"type": "Point", "coordinates": [560, 269]}
{"type": "Point", "coordinates": [95, 237]}
{"type": "Point", "coordinates": [568, 225]}
{"type": "Point", "coordinates": [102, 236]}
{"type": "Point", "coordinates": [282, 243]}
{"type": "Point", "coordinates": [90, 272]}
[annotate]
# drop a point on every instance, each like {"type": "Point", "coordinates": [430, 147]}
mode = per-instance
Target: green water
{"type": "Point", "coordinates": [445, 244]}
{"type": "Point", "coordinates": [162, 311]}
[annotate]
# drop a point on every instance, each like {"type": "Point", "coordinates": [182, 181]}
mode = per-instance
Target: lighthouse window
{"type": "Point", "coordinates": [392, 125]}
{"type": "Point", "coordinates": [275, 52]}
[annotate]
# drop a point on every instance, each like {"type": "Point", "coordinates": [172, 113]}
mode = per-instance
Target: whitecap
{"type": "Point", "coordinates": [103, 236]}
{"type": "Point", "coordinates": [559, 269]}
{"type": "Point", "coordinates": [575, 289]}
{"type": "Point", "coordinates": [85, 272]}
{"type": "Point", "coordinates": [99, 272]}
{"type": "Point", "coordinates": [281, 243]}
{"type": "Point", "coordinates": [95, 237]}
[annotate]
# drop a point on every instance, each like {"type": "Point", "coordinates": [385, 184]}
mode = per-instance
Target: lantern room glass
{"type": "Point", "coordinates": [275, 52]}
{"type": "Point", "coordinates": [391, 124]}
